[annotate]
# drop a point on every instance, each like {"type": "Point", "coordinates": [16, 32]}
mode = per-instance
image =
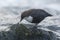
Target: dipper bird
{"type": "Point", "coordinates": [34, 15]}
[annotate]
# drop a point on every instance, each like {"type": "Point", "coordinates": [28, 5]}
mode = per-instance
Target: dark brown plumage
{"type": "Point", "coordinates": [37, 14]}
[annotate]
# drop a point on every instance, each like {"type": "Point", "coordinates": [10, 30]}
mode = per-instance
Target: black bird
{"type": "Point", "coordinates": [34, 15]}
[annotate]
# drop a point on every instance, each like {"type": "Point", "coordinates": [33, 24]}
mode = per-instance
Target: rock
{"type": "Point", "coordinates": [21, 32]}
{"type": "Point", "coordinates": [24, 33]}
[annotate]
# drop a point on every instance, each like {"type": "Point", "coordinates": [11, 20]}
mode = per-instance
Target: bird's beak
{"type": "Point", "coordinates": [20, 20]}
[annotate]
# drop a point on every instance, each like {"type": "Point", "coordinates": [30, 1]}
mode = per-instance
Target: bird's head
{"type": "Point", "coordinates": [26, 15]}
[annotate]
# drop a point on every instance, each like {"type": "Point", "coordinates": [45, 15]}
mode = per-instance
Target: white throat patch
{"type": "Point", "coordinates": [29, 18]}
